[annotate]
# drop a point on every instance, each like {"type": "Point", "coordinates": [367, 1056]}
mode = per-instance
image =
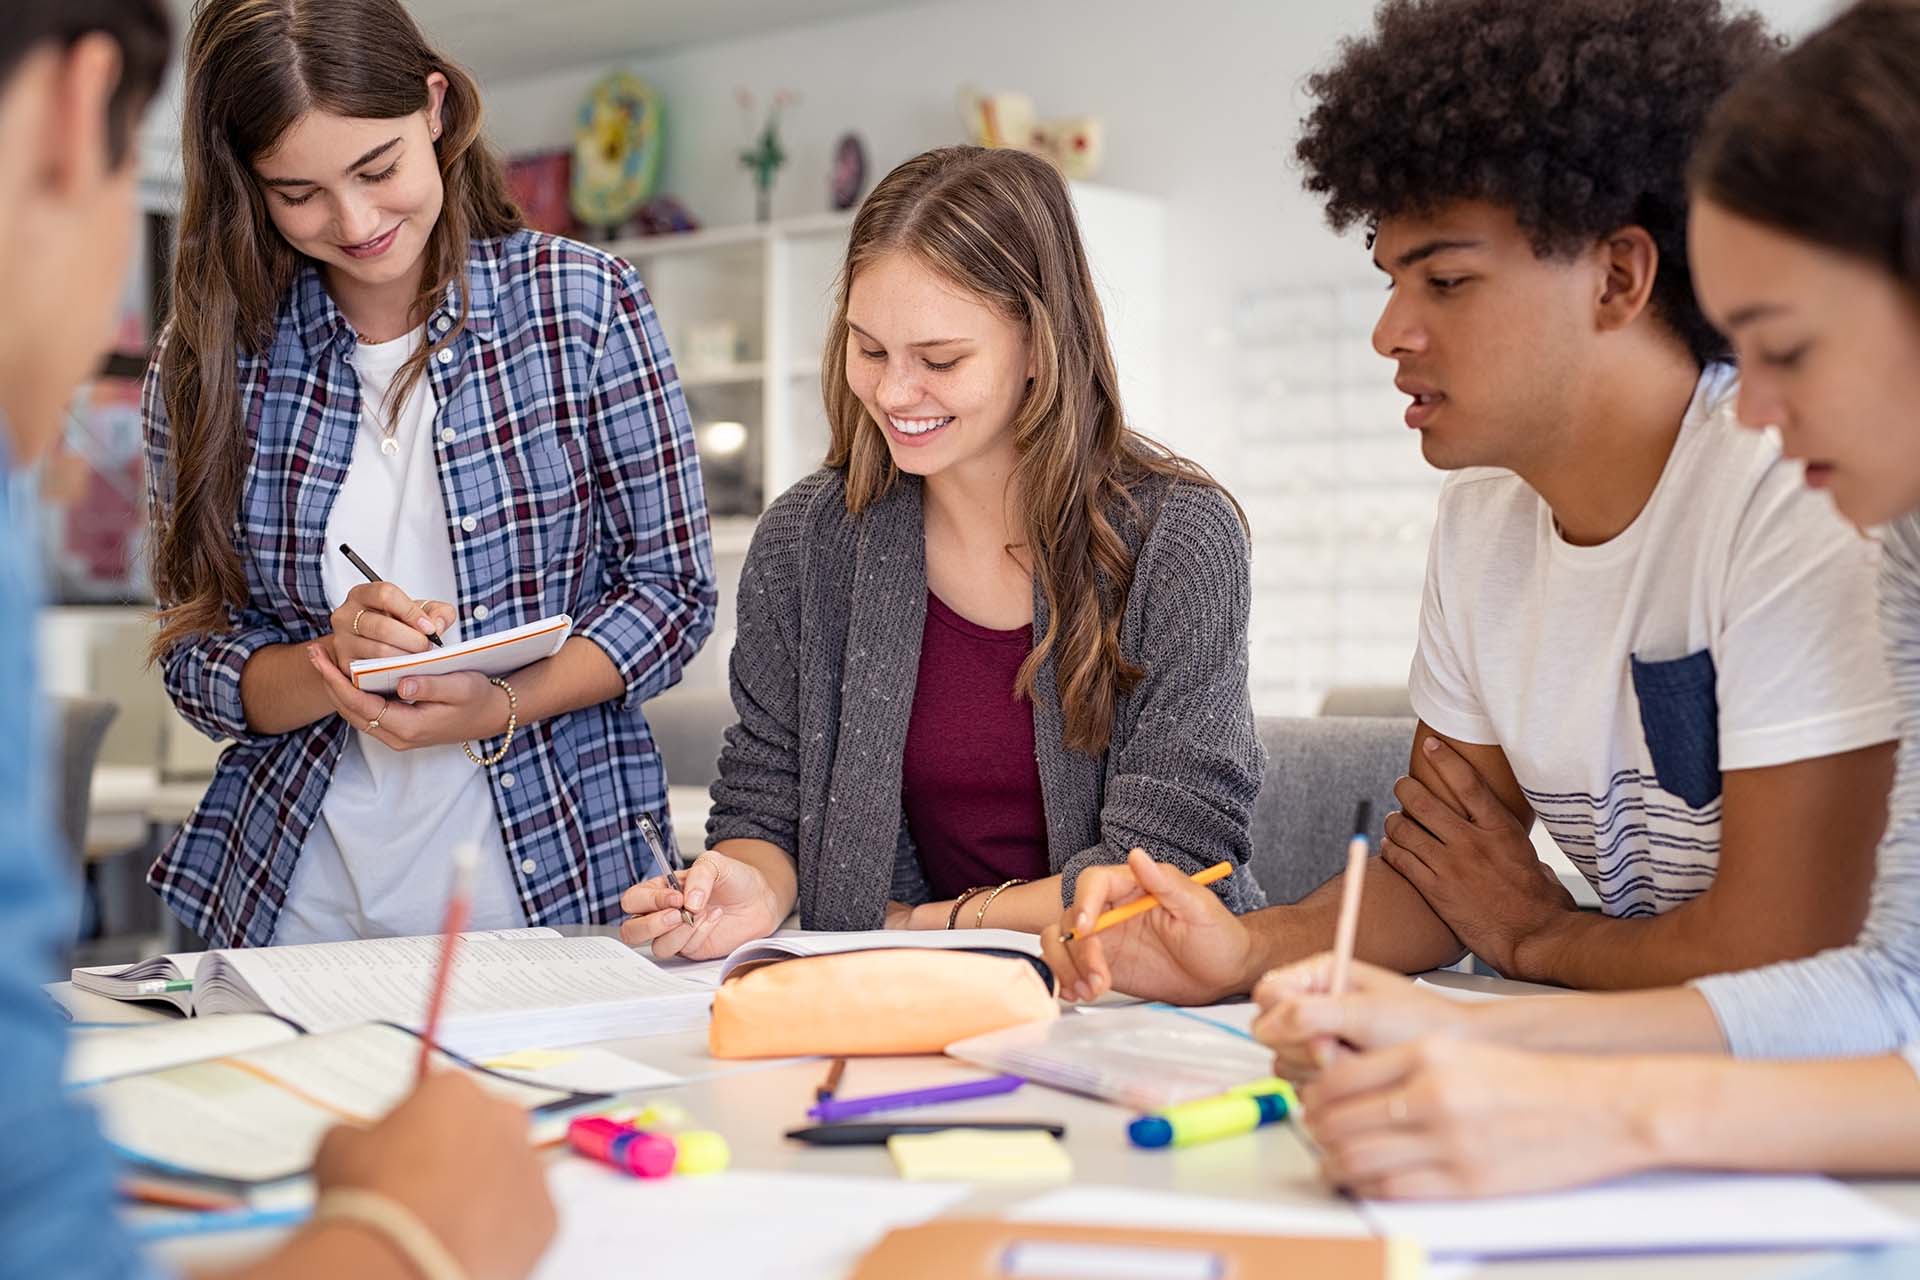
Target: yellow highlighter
{"type": "Point", "coordinates": [696, 1150]}
{"type": "Point", "coordinates": [1241, 1109]}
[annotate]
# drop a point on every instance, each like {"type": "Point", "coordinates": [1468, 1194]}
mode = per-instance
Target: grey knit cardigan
{"type": "Point", "coordinates": [823, 668]}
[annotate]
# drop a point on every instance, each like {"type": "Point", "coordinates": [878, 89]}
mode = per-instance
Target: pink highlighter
{"type": "Point", "coordinates": [642, 1154]}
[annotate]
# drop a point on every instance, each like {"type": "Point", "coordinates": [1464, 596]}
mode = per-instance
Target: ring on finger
{"type": "Point", "coordinates": [375, 722]}
{"type": "Point", "coordinates": [356, 621]}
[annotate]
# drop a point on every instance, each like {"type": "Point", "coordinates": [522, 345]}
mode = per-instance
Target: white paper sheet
{"type": "Point", "coordinates": [743, 1226]}
{"type": "Point", "coordinates": [585, 1069]}
{"type": "Point", "coordinates": [1654, 1213]}
{"type": "Point", "coordinates": [102, 1054]}
{"type": "Point", "coordinates": [260, 1116]}
{"type": "Point", "coordinates": [1465, 995]}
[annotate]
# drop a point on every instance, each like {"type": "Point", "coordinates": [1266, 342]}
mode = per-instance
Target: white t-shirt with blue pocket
{"type": "Point", "coordinates": [1731, 626]}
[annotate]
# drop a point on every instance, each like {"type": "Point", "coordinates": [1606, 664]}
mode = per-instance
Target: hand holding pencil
{"type": "Point", "coordinates": [1188, 949]}
{"type": "Point", "coordinates": [379, 620]}
{"type": "Point", "coordinates": [1309, 1009]}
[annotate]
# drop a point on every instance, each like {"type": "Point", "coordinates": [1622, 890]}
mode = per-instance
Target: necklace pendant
{"type": "Point", "coordinates": [390, 446]}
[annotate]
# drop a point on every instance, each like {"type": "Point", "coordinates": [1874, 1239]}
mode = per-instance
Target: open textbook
{"type": "Point", "coordinates": [242, 1118]}
{"type": "Point", "coordinates": [511, 988]}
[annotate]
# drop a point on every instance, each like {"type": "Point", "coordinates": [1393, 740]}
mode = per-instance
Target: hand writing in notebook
{"type": "Point", "coordinates": [430, 711]}
{"type": "Point", "coordinates": [730, 900]}
{"type": "Point", "coordinates": [1449, 1118]}
{"type": "Point", "coordinates": [379, 620]}
{"type": "Point", "coordinates": [1378, 1009]}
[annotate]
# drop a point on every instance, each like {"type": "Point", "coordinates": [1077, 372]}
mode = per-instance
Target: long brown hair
{"type": "Point", "coordinates": [999, 224]}
{"type": "Point", "coordinates": [254, 68]}
{"type": "Point", "coordinates": [1824, 143]}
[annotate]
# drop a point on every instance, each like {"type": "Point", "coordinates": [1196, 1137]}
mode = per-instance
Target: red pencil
{"type": "Point", "coordinates": [459, 906]}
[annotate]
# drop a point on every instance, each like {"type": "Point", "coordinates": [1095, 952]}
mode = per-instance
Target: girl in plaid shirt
{"type": "Point", "coordinates": [367, 347]}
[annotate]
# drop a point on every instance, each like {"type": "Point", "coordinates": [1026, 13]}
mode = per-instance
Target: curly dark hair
{"type": "Point", "coordinates": [1579, 115]}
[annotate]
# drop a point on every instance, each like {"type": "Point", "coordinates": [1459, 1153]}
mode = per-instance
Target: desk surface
{"type": "Point", "coordinates": [753, 1104]}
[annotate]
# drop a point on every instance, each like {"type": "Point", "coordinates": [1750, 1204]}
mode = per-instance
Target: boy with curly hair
{"type": "Point", "coordinates": [1639, 624]}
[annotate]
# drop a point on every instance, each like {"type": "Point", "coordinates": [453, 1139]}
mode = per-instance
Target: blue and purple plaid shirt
{"type": "Point", "coordinates": [567, 465]}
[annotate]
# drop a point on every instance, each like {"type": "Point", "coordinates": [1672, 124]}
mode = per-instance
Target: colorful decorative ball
{"type": "Point", "coordinates": [616, 149]}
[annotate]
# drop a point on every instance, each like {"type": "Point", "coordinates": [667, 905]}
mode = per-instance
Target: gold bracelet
{"type": "Point", "coordinates": [393, 1222]}
{"type": "Point", "coordinates": [513, 722]}
{"type": "Point", "coordinates": [961, 901]}
{"type": "Point", "coordinates": [979, 920]}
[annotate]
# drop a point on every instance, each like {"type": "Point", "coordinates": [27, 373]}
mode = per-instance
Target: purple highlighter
{"type": "Point", "coordinates": [830, 1110]}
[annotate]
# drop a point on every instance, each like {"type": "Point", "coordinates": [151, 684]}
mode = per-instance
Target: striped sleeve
{"type": "Point", "coordinates": [1863, 998]}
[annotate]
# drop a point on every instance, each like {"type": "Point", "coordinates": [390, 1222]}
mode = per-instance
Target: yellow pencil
{"type": "Point", "coordinates": [1147, 902]}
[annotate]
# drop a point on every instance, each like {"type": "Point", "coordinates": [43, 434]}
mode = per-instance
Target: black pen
{"type": "Point", "coordinates": [873, 1135]}
{"type": "Point", "coordinates": [367, 569]}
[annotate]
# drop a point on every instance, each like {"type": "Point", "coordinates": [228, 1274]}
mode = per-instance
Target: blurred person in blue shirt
{"type": "Point", "coordinates": [450, 1166]}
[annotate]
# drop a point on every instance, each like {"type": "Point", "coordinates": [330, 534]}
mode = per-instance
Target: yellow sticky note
{"type": "Point", "coordinates": [532, 1060]}
{"type": "Point", "coordinates": [980, 1155]}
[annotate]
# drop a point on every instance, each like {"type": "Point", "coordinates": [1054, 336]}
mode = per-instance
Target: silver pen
{"type": "Point", "coordinates": [661, 862]}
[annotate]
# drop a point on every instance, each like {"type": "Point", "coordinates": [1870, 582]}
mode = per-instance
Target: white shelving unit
{"type": "Point", "coordinates": [771, 285]}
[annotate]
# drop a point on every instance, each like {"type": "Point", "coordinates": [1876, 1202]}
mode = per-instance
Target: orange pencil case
{"type": "Point", "coordinates": [876, 1002]}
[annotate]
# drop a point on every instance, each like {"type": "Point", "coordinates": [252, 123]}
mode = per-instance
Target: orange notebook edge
{"type": "Point", "coordinates": [433, 656]}
{"type": "Point", "coordinates": [977, 1248]}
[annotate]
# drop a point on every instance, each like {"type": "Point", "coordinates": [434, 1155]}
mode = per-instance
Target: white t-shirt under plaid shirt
{"type": "Point", "coordinates": [1731, 626]}
{"type": "Point", "coordinates": [378, 860]}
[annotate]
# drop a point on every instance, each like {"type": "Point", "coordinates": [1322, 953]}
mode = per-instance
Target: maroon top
{"type": "Point", "coordinates": [970, 782]}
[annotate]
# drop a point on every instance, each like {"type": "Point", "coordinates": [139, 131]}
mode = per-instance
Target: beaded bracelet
{"type": "Point", "coordinates": [513, 722]}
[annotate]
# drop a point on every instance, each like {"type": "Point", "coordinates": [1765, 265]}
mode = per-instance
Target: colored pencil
{"type": "Point", "coordinates": [1147, 902]}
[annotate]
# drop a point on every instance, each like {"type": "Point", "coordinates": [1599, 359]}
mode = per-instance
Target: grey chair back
{"type": "Point", "coordinates": [1367, 700]}
{"type": "Point", "coordinates": [689, 727]}
{"type": "Point", "coordinates": [80, 724]}
{"type": "Point", "coordinates": [1317, 767]}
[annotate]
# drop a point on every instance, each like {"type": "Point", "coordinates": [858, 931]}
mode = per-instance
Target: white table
{"type": "Point", "coordinates": [754, 1104]}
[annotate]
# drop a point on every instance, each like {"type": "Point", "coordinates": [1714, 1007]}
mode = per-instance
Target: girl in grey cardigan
{"type": "Point", "coordinates": [1000, 637]}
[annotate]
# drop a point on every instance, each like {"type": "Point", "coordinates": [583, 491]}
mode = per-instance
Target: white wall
{"type": "Point", "coordinates": [1270, 380]}
{"type": "Point", "coordinates": [1200, 101]}
{"type": "Point", "coordinates": [1201, 122]}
